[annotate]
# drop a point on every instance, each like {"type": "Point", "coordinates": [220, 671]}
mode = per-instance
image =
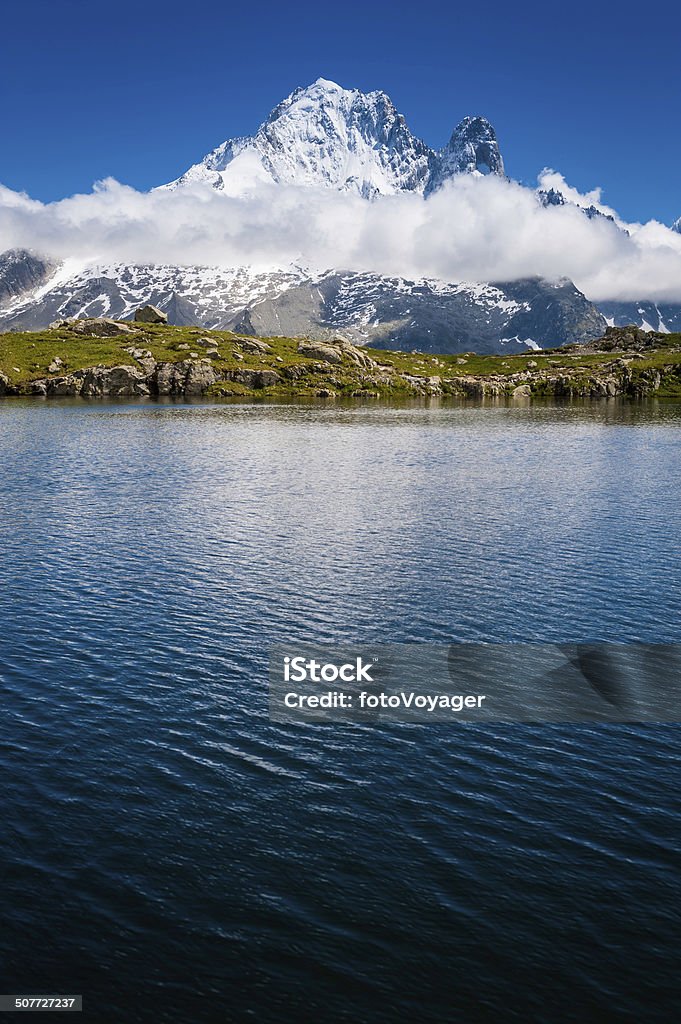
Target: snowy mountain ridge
{"type": "Point", "coordinates": [327, 136]}
{"type": "Point", "coordinates": [386, 312]}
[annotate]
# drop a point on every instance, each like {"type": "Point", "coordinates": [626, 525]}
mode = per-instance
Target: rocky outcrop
{"type": "Point", "coordinates": [143, 357]}
{"type": "Point", "coordinates": [187, 377]}
{"type": "Point", "coordinates": [628, 339]}
{"type": "Point", "coordinates": [150, 315]}
{"type": "Point", "coordinates": [254, 345]}
{"type": "Point", "coordinates": [111, 381]}
{"type": "Point", "coordinates": [116, 382]}
{"type": "Point", "coordinates": [94, 327]}
{"type": "Point", "coordinates": [339, 350]}
{"type": "Point", "coordinates": [4, 384]}
{"type": "Point", "coordinates": [316, 350]}
{"type": "Point", "coordinates": [260, 378]}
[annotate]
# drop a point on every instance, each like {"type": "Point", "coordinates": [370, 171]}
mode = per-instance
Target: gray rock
{"type": "Point", "coordinates": [144, 358]}
{"type": "Point", "coordinates": [55, 366]}
{"type": "Point", "coordinates": [253, 345]}
{"type": "Point", "coordinates": [184, 378]}
{"type": "Point", "coordinates": [63, 387]}
{"type": "Point", "coordinates": [200, 377]}
{"type": "Point", "coordinates": [296, 371]}
{"type": "Point", "coordinates": [150, 315]}
{"type": "Point", "coordinates": [98, 327]}
{"type": "Point", "coordinates": [318, 350]}
{"type": "Point", "coordinates": [4, 384]}
{"type": "Point", "coordinates": [116, 381]}
{"type": "Point", "coordinates": [169, 378]}
{"type": "Point", "coordinates": [522, 391]}
{"type": "Point", "coordinates": [255, 378]}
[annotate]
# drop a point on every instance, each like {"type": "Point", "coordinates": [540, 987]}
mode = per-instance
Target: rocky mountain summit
{"type": "Point", "coordinates": [331, 137]}
{"type": "Point", "coordinates": [325, 136]}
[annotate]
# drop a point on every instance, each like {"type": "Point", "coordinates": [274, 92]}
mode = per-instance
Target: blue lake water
{"type": "Point", "coordinates": [173, 856]}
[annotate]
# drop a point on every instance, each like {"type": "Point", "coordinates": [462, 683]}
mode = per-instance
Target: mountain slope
{"type": "Point", "coordinates": [344, 139]}
{"type": "Point", "coordinates": [370, 309]}
{"type": "Point", "coordinates": [429, 316]}
{"type": "Point", "coordinates": [21, 272]}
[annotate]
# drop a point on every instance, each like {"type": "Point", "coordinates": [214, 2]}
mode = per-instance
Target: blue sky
{"type": "Point", "coordinates": [140, 90]}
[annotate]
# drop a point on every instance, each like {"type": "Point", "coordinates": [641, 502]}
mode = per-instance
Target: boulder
{"type": "Point", "coordinates": [55, 366]}
{"type": "Point", "coordinates": [522, 391]}
{"type": "Point", "coordinates": [353, 354]}
{"type": "Point", "coordinates": [4, 384]}
{"type": "Point", "coordinates": [254, 345]}
{"type": "Point", "coordinates": [184, 378]}
{"type": "Point", "coordinates": [337, 351]}
{"type": "Point", "coordinates": [63, 387]}
{"type": "Point", "coordinates": [169, 378]}
{"type": "Point", "coordinates": [99, 327]}
{"type": "Point", "coordinates": [317, 350]}
{"type": "Point", "coordinates": [200, 376]}
{"type": "Point", "coordinates": [150, 315]}
{"type": "Point", "coordinates": [116, 381]}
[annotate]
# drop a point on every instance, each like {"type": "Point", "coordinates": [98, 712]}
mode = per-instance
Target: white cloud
{"type": "Point", "coordinates": [474, 228]}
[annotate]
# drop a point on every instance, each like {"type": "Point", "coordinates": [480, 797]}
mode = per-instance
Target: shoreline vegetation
{"type": "Point", "coordinates": [109, 358]}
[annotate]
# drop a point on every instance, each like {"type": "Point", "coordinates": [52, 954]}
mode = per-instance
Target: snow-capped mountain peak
{"type": "Point", "coordinates": [473, 147]}
{"type": "Point", "coordinates": [326, 136]}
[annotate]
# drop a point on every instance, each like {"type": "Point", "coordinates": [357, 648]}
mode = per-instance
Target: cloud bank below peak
{"type": "Point", "coordinates": [473, 228]}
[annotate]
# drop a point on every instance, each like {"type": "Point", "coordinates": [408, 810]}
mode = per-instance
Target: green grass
{"type": "Point", "coordinates": [25, 357]}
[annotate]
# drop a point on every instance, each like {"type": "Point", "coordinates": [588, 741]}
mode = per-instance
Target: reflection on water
{"type": "Point", "coordinates": [174, 856]}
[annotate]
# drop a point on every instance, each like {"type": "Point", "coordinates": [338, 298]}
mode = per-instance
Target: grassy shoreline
{"type": "Point", "coordinates": [219, 363]}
